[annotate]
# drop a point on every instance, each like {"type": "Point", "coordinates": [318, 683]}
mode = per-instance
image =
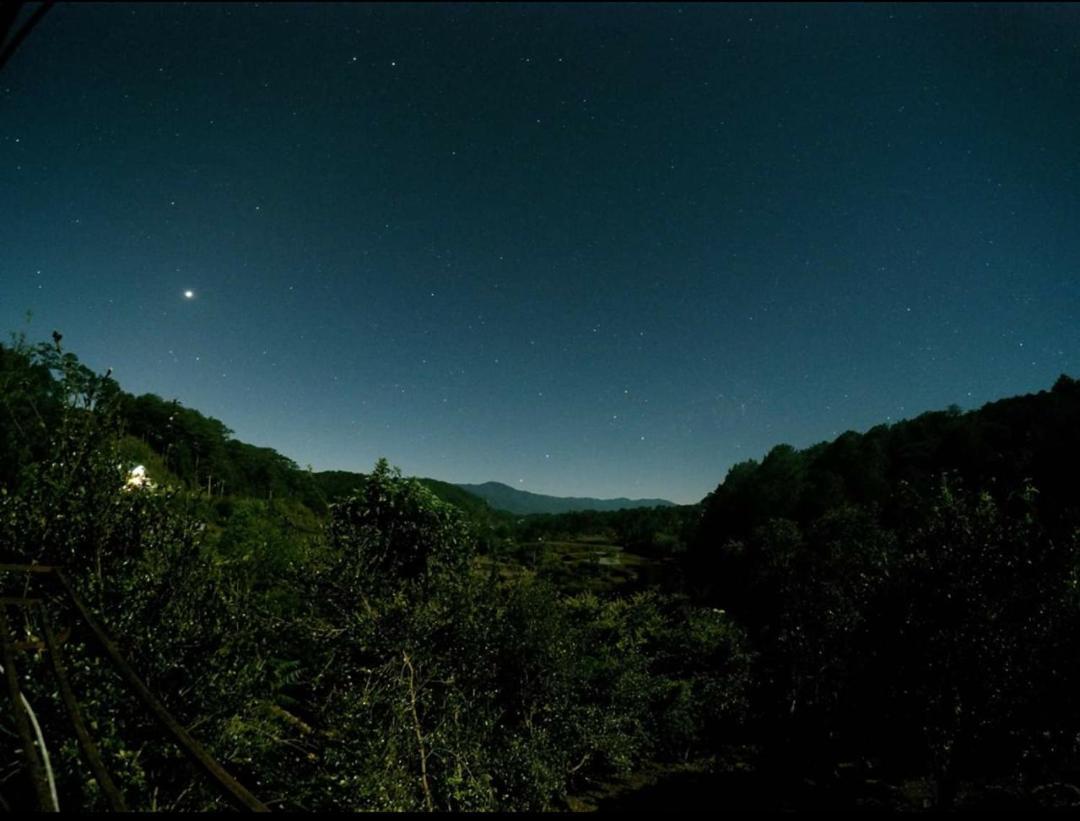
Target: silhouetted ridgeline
{"type": "Point", "coordinates": [177, 443]}
{"type": "Point", "coordinates": [522, 502]}
{"type": "Point", "coordinates": [1033, 438]}
{"type": "Point", "coordinates": [200, 451]}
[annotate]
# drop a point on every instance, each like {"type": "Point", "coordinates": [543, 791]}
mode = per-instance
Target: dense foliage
{"type": "Point", "coordinates": [361, 660]}
{"type": "Point", "coordinates": [892, 617]}
{"type": "Point", "coordinates": [912, 595]}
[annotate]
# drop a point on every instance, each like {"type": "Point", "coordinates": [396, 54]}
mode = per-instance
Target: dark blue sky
{"type": "Point", "coordinates": [584, 250]}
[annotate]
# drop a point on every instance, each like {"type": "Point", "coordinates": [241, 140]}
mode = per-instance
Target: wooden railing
{"type": "Point", "coordinates": [49, 574]}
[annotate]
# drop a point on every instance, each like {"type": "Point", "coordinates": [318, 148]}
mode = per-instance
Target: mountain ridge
{"type": "Point", "coordinates": [501, 496]}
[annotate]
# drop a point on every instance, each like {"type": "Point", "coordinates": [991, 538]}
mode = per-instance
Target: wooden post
{"type": "Point", "coordinates": [90, 751]}
{"type": "Point", "coordinates": [34, 769]}
{"type": "Point", "coordinates": [232, 788]}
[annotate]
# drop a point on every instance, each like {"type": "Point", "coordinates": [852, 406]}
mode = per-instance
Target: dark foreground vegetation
{"type": "Point", "coordinates": [891, 619]}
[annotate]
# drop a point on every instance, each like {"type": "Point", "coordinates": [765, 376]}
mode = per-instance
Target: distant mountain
{"type": "Point", "coordinates": [521, 502]}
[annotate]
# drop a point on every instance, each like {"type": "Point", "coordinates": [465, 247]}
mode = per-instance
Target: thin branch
{"type": "Point", "coordinates": [419, 734]}
{"type": "Point", "coordinates": [21, 34]}
{"type": "Point", "coordinates": [42, 784]}
{"type": "Point", "coordinates": [89, 749]}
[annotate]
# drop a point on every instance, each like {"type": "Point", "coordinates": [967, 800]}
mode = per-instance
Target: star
{"type": "Point", "coordinates": [189, 294]}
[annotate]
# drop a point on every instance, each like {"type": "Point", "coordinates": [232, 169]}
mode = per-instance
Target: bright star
{"type": "Point", "coordinates": [189, 294]}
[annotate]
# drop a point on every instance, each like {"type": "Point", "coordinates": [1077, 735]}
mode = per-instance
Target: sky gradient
{"type": "Point", "coordinates": [583, 250]}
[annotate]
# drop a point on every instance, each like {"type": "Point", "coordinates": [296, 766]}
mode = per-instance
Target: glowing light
{"type": "Point", "coordinates": [138, 479]}
{"type": "Point", "coordinates": [189, 294]}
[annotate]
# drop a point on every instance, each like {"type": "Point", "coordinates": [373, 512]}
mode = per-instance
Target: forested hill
{"type": "Point", "coordinates": [176, 443]}
{"type": "Point", "coordinates": [998, 448]}
{"type": "Point", "coordinates": [522, 502]}
{"type": "Point", "coordinates": [912, 595]}
{"type": "Point", "coordinates": [199, 451]}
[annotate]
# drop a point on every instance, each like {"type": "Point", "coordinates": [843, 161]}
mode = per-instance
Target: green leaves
{"type": "Point", "coordinates": [394, 531]}
{"type": "Point", "coordinates": [364, 661]}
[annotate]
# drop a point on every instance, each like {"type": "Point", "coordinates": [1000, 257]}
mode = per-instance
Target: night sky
{"type": "Point", "coordinates": [583, 250]}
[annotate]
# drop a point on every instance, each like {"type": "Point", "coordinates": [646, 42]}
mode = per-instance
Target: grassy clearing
{"type": "Point", "coordinates": [586, 564]}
